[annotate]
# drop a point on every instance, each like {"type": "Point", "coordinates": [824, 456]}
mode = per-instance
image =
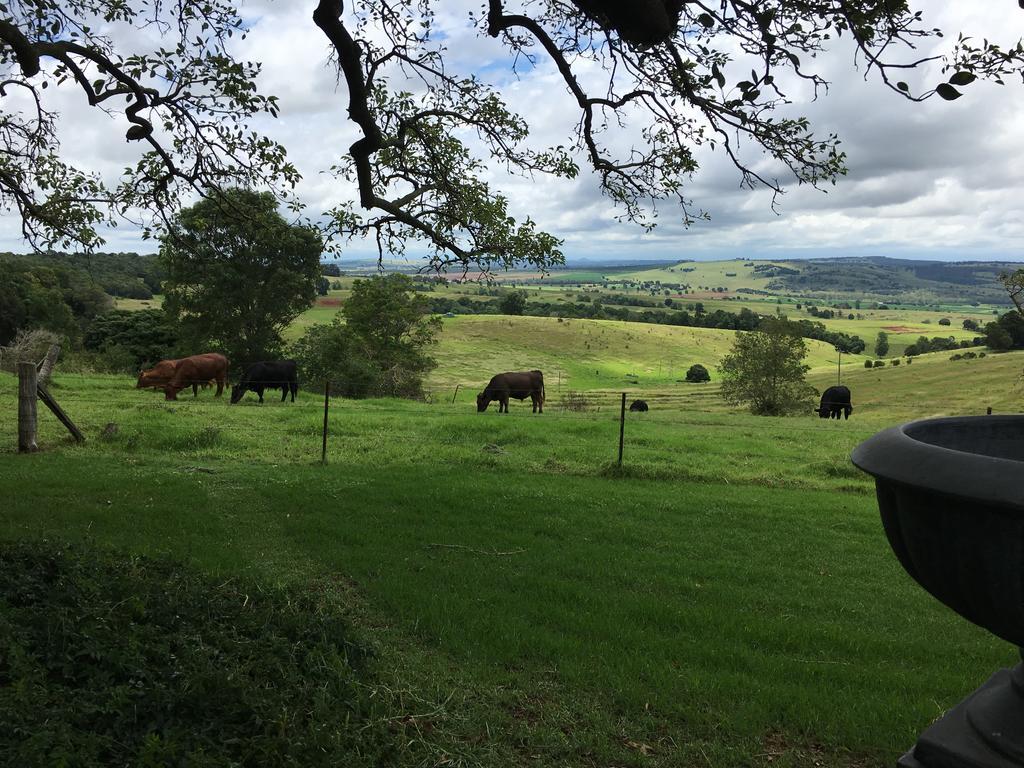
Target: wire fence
{"type": "Point", "coordinates": [600, 426]}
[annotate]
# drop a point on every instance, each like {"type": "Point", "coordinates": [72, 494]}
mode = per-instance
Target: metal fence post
{"type": "Point", "coordinates": [327, 403]}
{"type": "Point", "coordinates": [27, 418]}
{"type": "Point", "coordinates": [622, 426]}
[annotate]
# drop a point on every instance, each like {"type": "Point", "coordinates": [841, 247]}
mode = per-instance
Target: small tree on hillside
{"type": "Point", "coordinates": [765, 370]}
{"type": "Point", "coordinates": [238, 274]}
{"type": "Point", "coordinates": [882, 344]}
{"type": "Point", "coordinates": [697, 373]}
{"type": "Point", "coordinates": [513, 303]}
{"type": "Point", "coordinates": [379, 349]}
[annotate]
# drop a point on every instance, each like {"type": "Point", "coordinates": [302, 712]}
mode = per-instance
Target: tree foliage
{"type": "Point", "coordinates": [513, 303]}
{"type": "Point", "coordinates": [652, 83]}
{"type": "Point", "coordinates": [882, 344]}
{"type": "Point", "coordinates": [764, 370]}
{"type": "Point", "coordinates": [130, 340]}
{"type": "Point", "coordinates": [238, 274]}
{"type": "Point", "coordinates": [377, 346]}
{"type": "Point", "coordinates": [697, 373]}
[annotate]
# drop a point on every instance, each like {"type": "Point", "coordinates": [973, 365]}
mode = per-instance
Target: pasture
{"type": "Point", "coordinates": [726, 598]}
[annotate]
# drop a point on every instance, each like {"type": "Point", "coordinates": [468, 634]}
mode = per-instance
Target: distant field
{"type": "Point", "coordinates": [589, 354]}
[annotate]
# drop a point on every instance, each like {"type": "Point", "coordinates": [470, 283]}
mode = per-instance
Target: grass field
{"type": "Point", "coordinates": [727, 598]}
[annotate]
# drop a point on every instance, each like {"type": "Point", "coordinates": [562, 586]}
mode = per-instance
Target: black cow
{"type": "Point", "coordinates": [272, 374]}
{"type": "Point", "coordinates": [835, 401]}
{"type": "Point", "coordinates": [639, 406]}
{"type": "Point", "coordinates": [520, 385]}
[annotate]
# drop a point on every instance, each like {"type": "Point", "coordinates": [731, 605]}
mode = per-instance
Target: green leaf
{"type": "Point", "coordinates": [948, 92]}
{"type": "Point", "coordinates": [903, 86]}
{"type": "Point", "coordinates": [706, 20]}
{"type": "Point", "coordinates": [963, 78]}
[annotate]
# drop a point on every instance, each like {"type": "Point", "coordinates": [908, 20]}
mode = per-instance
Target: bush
{"type": "Point", "coordinates": [944, 321]}
{"type": "Point", "coordinates": [697, 373]}
{"type": "Point", "coordinates": [956, 357]}
{"type": "Point", "coordinates": [878, 364]}
{"type": "Point", "coordinates": [894, 362]}
{"type": "Point", "coordinates": [128, 340]}
{"type": "Point", "coordinates": [27, 347]}
{"type": "Point", "coordinates": [103, 664]}
{"type": "Point", "coordinates": [868, 364]}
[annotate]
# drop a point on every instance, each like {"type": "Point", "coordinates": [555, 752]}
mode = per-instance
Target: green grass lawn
{"type": "Point", "coordinates": [727, 598]}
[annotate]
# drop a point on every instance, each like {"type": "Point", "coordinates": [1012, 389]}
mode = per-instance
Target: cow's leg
{"type": "Point", "coordinates": [170, 393]}
{"type": "Point", "coordinates": [259, 391]}
{"type": "Point", "coordinates": [284, 392]}
{"type": "Point", "coordinates": [195, 390]}
{"type": "Point", "coordinates": [220, 386]}
{"type": "Point", "coordinates": [295, 390]}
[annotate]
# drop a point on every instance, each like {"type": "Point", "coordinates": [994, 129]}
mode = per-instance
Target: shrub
{"type": "Point", "coordinates": [878, 363]}
{"type": "Point", "coordinates": [697, 373]}
{"type": "Point", "coordinates": [944, 321]}
{"type": "Point", "coordinates": [27, 347]}
{"type": "Point", "coordinates": [103, 665]}
{"type": "Point", "coordinates": [868, 364]}
{"type": "Point", "coordinates": [956, 357]}
{"type": "Point", "coordinates": [894, 362]}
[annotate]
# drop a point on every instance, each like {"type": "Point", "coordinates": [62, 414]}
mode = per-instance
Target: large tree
{"type": "Point", "coordinates": [765, 370]}
{"type": "Point", "coordinates": [652, 81]}
{"type": "Point", "coordinates": [238, 274]}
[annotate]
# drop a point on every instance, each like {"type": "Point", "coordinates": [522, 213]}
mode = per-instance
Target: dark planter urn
{"type": "Point", "coordinates": [951, 494]}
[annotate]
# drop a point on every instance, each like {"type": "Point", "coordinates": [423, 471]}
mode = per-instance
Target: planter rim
{"type": "Point", "coordinates": [896, 456]}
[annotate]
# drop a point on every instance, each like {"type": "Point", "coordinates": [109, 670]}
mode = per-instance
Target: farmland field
{"type": "Point", "coordinates": [725, 598]}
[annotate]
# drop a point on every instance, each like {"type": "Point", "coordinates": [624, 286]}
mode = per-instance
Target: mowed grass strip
{"type": "Point", "coordinates": [728, 596]}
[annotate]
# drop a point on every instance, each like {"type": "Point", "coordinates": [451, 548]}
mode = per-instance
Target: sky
{"type": "Point", "coordinates": [938, 180]}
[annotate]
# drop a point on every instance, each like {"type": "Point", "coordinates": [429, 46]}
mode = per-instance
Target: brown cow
{"type": "Point", "coordinates": [198, 369]}
{"type": "Point", "coordinates": [175, 375]}
{"type": "Point", "coordinates": [517, 384]}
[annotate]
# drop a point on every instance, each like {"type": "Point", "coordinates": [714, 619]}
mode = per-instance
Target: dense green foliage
{"type": "Point", "coordinates": [55, 298]}
{"type": "Point", "coordinates": [882, 344]}
{"type": "Point", "coordinates": [238, 274]}
{"type": "Point", "coordinates": [380, 349]}
{"type": "Point", "coordinates": [1006, 333]}
{"type": "Point", "coordinates": [513, 303]}
{"type": "Point", "coordinates": [697, 373]}
{"type": "Point", "coordinates": [129, 340]}
{"type": "Point", "coordinates": [109, 660]}
{"type": "Point", "coordinates": [765, 371]}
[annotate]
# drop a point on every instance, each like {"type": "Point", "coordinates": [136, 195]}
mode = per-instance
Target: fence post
{"type": "Point", "coordinates": [622, 426]}
{"type": "Point", "coordinates": [27, 384]}
{"type": "Point", "coordinates": [327, 403]}
{"type": "Point", "coordinates": [456, 393]}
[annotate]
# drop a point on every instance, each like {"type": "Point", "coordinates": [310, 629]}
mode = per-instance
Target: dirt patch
{"type": "Point", "coordinates": [328, 302]}
{"type": "Point", "coordinates": [901, 329]}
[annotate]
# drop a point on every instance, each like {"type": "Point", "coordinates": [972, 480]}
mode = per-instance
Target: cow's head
{"type": "Point", "coordinates": [237, 391]}
{"type": "Point", "coordinates": [822, 412]}
{"type": "Point", "coordinates": [482, 401]}
{"type": "Point", "coordinates": [143, 380]}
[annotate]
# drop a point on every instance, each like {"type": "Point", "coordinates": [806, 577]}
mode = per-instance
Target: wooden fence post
{"type": "Point", "coordinates": [456, 393]}
{"type": "Point", "coordinates": [327, 403]}
{"type": "Point", "coordinates": [46, 365]}
{"type": "Point", "coordinates": [27, 384]}
{"type": "Point", "coordinates": [622, 426]}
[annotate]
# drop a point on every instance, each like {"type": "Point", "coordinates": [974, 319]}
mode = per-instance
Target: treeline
{"type": "Point", "coordinates": [125, 275]}
{"type": "Point", "coordinates": [54, 298]}
{"type": "Point", "coordinates": [744, 320]}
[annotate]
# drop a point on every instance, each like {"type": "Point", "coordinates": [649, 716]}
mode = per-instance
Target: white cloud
{"type": "Point", "coordinates": [939, 178]}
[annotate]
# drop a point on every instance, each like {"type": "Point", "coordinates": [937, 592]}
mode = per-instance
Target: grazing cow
{"type": "Point", "coordinates": [520, 385]}
{"type": "Point", "coordinates": [835, 401]}
{"type": "Point", "coordinates": [271, 374]}
{"type": "Point", "coordinates": [175, 375]}
{"type": "Point", "coordinates": [639, 406]}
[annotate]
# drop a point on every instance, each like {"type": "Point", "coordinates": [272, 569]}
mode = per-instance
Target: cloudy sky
{"type": "Point", "coordinates": [934, 180]}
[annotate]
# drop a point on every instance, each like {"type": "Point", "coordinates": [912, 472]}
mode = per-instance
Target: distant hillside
{"type": "Point", "coordinates": [903, 280]}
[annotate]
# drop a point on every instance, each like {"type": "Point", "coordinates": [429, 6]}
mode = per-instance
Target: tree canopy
{"type": "Point", "coordinates": [238, 274]}
{"type": "Point", "coordinates": [765, 370]}
{"type": "Point", "coordinates": [652, 81]}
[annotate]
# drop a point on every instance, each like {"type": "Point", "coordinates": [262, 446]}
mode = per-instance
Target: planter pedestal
{"type": "Point", "coordinates": [951, 496]}
{"type": "Point", "coordinates": [985, 730]}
